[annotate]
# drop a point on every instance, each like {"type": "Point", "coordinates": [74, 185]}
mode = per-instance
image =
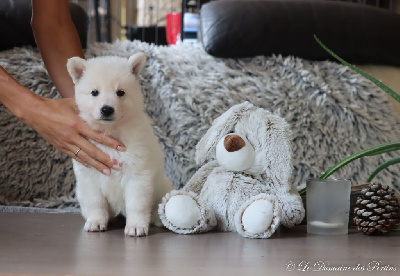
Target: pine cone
{"type": "Point", "coordinates": [377, 210]}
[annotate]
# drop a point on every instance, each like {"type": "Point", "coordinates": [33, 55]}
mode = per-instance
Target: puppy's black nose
{"type": "Point", "coordinates": [107, 111]}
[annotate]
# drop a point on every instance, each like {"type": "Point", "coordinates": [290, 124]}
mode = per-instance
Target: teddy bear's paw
{"type": "Point", "coordinates": [258, 217]}
{"type": "Point", "coordinates": [292, 211]}
{"type": "Point", "coordinates": [96, 224]}
{"type": "Point", "coordinates": [183, 211]}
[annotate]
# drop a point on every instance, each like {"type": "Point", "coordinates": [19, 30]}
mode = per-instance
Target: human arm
{"type": "Point", "coordinates": [56, 120]}
{"type": "Point", "coordinates": [57, 40]}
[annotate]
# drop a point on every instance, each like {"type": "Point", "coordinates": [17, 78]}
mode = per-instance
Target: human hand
{"type": "Point", "coordinates": [57, 121]}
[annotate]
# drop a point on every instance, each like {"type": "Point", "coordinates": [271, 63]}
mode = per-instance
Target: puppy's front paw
{"type": "Point", "coordinates": [96, 225]}
{"type": "Point", "coordinates": [136, 231]}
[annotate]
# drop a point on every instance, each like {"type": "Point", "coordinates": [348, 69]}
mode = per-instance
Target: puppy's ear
{"type": "Point", "coordinates": [137, 62]}
{"type": "Point", "coordinates": [220, 127]}
{"type": "Point", "coordinates": [76, 66]}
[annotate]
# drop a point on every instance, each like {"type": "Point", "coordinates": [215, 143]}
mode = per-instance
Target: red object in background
{"type": "Point", "coordinates": [173, 27]}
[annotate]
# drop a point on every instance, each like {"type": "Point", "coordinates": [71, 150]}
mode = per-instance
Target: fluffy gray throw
{"type": "Point", "coordinates": [333, 112]}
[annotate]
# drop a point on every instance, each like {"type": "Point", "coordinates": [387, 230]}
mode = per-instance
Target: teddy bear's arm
{"type": "Point", "coordinates": [197, 181]}
{"type": "Point", "coordinates": [293, 211]}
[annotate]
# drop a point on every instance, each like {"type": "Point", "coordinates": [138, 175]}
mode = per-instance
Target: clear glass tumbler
{"type": "Point", "coordinates": [328, 206]}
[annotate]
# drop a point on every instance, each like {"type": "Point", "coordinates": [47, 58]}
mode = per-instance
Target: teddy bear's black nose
{"type": "Point", "coordinates": [233, 143]}
{"type": "Point", "coordinates": [107, 111]}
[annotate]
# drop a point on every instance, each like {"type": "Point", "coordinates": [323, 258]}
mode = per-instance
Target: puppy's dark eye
{"type": "Point", "coordinates": [120, 93]}
{"type": "Point", "coordinates": [95, 93]}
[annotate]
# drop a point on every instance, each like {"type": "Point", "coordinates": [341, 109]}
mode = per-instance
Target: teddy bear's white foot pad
{"type": "Point", "coordinates": [258, 217]}
{"type": "Point", "coordinates": [182, 213]}
{"type": "Point", "coordinates": [174, 211]}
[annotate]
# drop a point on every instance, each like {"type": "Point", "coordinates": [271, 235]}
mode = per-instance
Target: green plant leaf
{"type": "Point", "coordinates": [367, 152]}
{"type": "Point", "coordinates": [383, 166]}
{"type": "Point", "coordinates": [384, 87]}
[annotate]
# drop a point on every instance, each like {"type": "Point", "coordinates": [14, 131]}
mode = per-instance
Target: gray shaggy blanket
{"type": "Point", "coordinates": [333, 112]}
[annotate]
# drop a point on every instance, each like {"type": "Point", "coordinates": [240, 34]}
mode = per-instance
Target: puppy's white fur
{"type": "Point", "coordinates": [141, 182]}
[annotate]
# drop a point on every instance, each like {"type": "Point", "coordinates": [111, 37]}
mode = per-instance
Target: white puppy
{"type": "Point", "coordinates": [109, 99]}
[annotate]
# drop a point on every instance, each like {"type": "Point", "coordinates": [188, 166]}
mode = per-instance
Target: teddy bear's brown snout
{"type": "Point", "coordinates": [233, 143]}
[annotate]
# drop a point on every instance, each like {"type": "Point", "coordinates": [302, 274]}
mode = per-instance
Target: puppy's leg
{"type": "Point", "coordinates": [138, 203]}
{"type": "Point", "coordinates": [163, 186]}
{"type": "Point", "coordinates": [94, 206]}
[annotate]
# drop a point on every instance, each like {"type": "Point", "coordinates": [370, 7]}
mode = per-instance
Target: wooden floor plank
{"type": "Point", "coordinates": [56, 244]}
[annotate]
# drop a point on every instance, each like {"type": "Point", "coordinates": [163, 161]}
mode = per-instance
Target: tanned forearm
{"type": "Point", "coordinates": [57, 40]}
{"type": "Point", "coordinates": [15, 97]}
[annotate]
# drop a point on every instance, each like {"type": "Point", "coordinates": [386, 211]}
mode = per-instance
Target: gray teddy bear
{"type": "Point", "coordinates": [245, 187]}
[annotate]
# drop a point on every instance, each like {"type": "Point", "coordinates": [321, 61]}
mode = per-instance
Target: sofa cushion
{"type": "Point", "coordinates": [15, 27]}
{"type": "Point", "coordinates": [359, 33]}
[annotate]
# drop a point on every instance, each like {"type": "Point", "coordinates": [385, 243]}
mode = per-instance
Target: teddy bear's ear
{"type": "Point", "coordinates": [277, 151]}
{"type": "Point", "coordinates": [137, 62]}
{"type": "Point", "coordinates": [220, 127]}
{"type": "Point", "coordinates": [76, 66]}
{"type": "Point", "coordinates": [277, 161]}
